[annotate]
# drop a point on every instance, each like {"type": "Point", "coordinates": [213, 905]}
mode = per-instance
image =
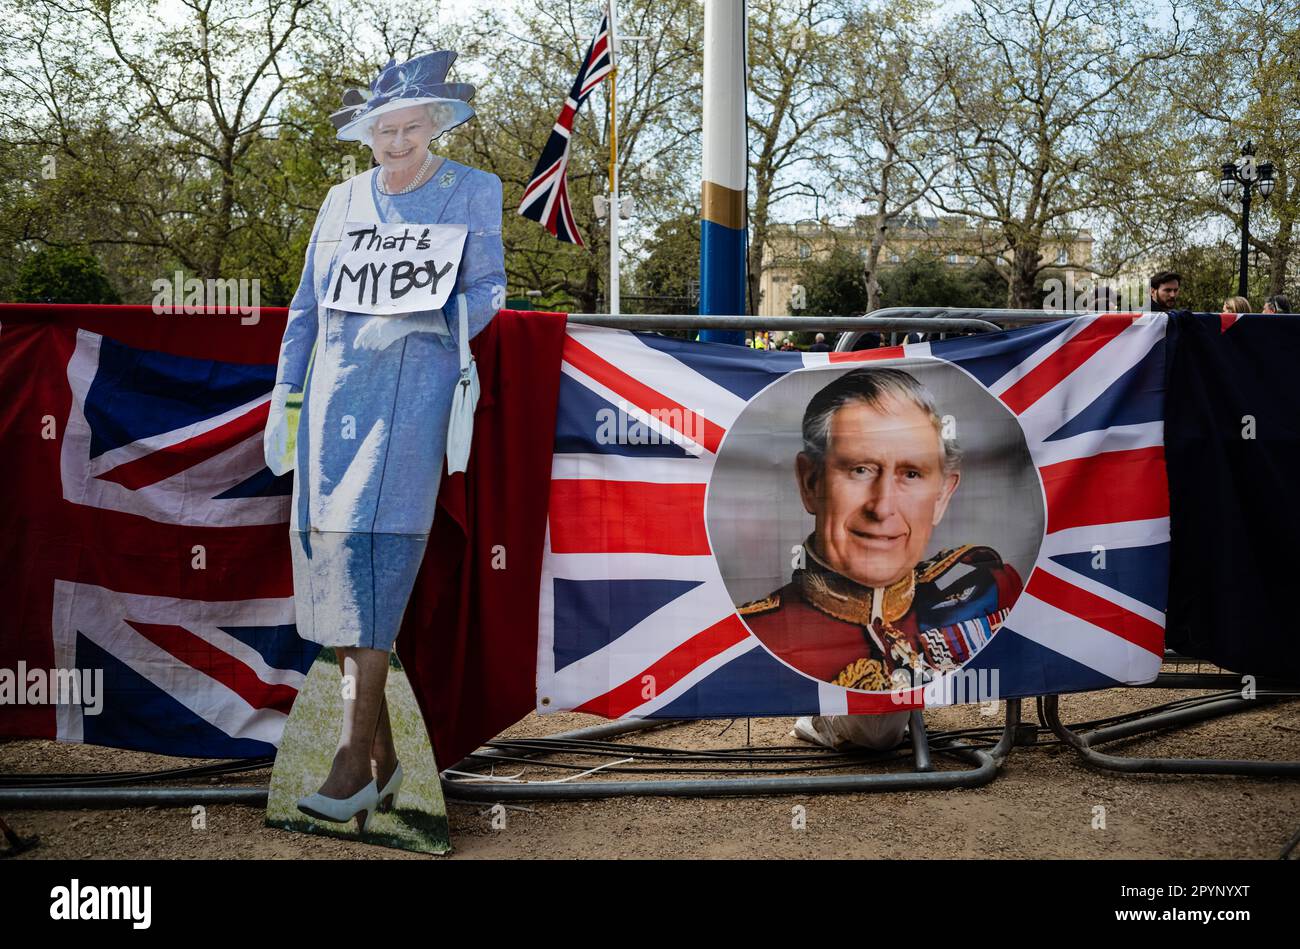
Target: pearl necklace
{"type": "Point", "coordinates": [417, 180]}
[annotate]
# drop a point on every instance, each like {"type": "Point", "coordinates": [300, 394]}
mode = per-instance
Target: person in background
{"type": "Point", "coordinates": [819, 344]}
{"type": "Point", "coordinates": [1236, 305]}
{"type": "Point", "coordinates": [1277, 304]}
{"type": "Point", "coordinates": [1164, 291]}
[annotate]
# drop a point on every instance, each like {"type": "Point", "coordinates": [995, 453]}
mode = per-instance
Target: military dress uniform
{"type": "Point", "coordinates": [876, 639]}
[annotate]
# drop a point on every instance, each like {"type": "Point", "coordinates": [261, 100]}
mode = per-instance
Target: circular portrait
{"type": "Point", "coordinates": [874, 524]}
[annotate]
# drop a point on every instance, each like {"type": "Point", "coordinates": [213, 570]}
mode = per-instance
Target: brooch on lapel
{"type": "Point", "coordinates": [447, 180]}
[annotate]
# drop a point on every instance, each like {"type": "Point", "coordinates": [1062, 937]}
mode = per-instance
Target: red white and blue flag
{"type": "Point", "coordinates": [145, 542]}
{"type": "Point", "coordinates": [635, 617]}
{"type": "Point", "coordinates": [546, 196]}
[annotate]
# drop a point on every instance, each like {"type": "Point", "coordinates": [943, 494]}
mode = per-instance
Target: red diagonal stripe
{"type": "Point", "coordinates": [562, 216]}
{"type": "Point", "coordinates": [1098, 611]}
{"type": "Point", "coordinates": [623, 517]}
{"type": "Point", "coordinates": [165, 462]}
{"type": "Point", "coordinates": [1108, 488]}
{"type": "Point", "coordinates": [667, 671]}
{"type": "Point", "coordinates": [541, 180]}
{"type": "Point", "coordinates": [198, 653]}
{"type": "Point", "coordinates": [641, 395]}
{"type": "Point", "coordinates": [1077, 350]}
{"type": "Point", "coordinates": [868, 355]}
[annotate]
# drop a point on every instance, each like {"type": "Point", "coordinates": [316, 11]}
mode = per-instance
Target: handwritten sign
{"type": "Point", "coordinates": [388, 269]}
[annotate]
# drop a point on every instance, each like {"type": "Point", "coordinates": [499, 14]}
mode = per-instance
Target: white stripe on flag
{"type": "Point", "coordinates": [1087, 444]}
{"type": "Point", "coordinates": [663, 372]}
{"type": "Point", "coordinates": [634, 651]}
{"type": "Point", "coordinates": [1080, 388]}
{"type": "Point", "coordinates": [1108, 593]}
{"type": "Point", "coordinates": [693, 678]}
{"type": "Point", "coordinates": [1118, 536]}
{"type": "Point", "coordinates": [585, 466]}
{"type": "Point", "coordinates": [201, 694]}
{"type": "Point", "coordinates": [629, 566]}
{"type": "Point", "coordinates": [250, 657]}
{"type": "Point", "coordinates": [97, 614]}
{"type": "Point", "coordinates": [1040, 355]}
{"type": "Point", "coordinates": [665, 432]}
{"type": "Point", "coordinates": [152, 443]}
{"type": "Point", "coordinates": [545, 621]}
{"type": "Point", "coordinates": [1082, 642]}
{"type": "Point", "coordinates": [832, 700]}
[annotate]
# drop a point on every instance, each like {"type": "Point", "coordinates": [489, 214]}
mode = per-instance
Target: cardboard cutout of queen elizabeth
{"type": "Point", "coordinates": [404, 266]}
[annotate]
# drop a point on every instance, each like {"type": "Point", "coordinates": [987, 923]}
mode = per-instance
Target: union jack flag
{"type": "Point", "coordinates": [637, 620]}
{"type": "Point", "coordinates": [546, 198]}
{"type": "Point", "coordinates": [154, 548]}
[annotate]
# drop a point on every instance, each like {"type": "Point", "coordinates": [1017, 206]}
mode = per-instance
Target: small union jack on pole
{"type": "Point", "coordinates": [546, 198]}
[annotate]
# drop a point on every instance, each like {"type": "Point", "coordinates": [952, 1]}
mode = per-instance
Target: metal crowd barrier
{"type": "Point", "coordinates": [922, 319]}
{"type": "Point", "coordinates": [813, 324]}
{"type": "Point", "coordinates": [1268, 691]}
{"type": "Point", "coordinates": [1049, 712]}
{"type": "Point", "coordinates": [987, 763]}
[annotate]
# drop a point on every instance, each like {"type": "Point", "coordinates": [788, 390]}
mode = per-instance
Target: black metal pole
{"type": "Point", "coordinates": [1245, 237]}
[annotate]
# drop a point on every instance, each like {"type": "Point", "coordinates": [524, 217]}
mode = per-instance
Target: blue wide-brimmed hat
{"type": "Point", "coordinates": [420, 80]}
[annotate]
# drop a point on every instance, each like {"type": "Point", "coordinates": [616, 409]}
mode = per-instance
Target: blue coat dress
{"type": "Point", "coordinates": [376, 402]}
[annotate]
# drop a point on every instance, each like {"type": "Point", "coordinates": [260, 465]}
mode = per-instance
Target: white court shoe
{"type": "Point", "coordinates": [361, 805]}
{"type": "Point", "coordinates": [388, 796]}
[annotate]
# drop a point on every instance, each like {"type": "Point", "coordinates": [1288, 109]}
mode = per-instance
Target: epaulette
{"type": "Point", "coordinates": [943, 561]}
{"type": "Point", "coordinates": [766, 605]}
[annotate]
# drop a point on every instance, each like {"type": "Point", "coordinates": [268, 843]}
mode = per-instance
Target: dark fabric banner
{"type": "Point", "coordinates": [1232, 445]}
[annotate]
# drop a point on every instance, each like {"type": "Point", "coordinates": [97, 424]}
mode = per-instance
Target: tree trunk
{"type": "Point", "coordinates": [589, 294]}
{"type": "Point", "coordinates": [754, 267]}
{"type": "Point", "coordinates": [225, 214]}
{"type": "Point", "coordinates": [871, 268]}
{"type": "Point", "coordinates": [758, 231]}
{"type": "Point", "coordinates": [1022, 291]}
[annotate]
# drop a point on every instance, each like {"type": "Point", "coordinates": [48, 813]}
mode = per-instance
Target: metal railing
{"type": "Point", "coordinates": [922, 319]}
{"type": "Point", "coordinates": [987, 763]}
{"type": "Point", "coordinates": [836, 324]}
{"type": "Point", "coordinates": [1084, 742]}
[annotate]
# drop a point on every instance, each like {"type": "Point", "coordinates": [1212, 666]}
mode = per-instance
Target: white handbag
{"type": "Point", "coordinates": [460, 427]}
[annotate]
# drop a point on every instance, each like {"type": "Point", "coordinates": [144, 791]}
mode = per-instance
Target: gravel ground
{"type": "Point", "coordinates": [1043, 804]}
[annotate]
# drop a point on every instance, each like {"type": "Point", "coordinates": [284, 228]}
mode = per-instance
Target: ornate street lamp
{"type": "Point", "coordinates": [1249, 176]}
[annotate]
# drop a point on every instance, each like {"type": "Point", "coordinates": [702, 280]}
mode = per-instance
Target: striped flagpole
{"type": "Point", "coordinates": [722, 206]}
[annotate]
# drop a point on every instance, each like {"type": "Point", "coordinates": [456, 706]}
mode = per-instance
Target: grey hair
{"type": "Point", "coordinates": [441, 114]}
{"type": "Point", "coordinates": [871, 386]}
